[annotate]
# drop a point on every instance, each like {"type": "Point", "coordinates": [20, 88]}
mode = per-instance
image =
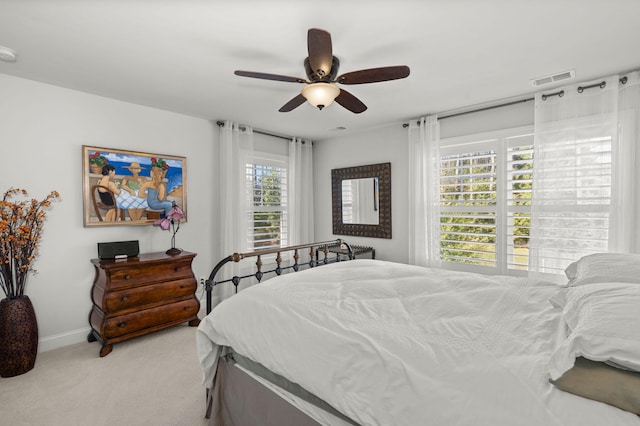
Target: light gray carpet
{"type": "Point", "coordinates": [151, 380]}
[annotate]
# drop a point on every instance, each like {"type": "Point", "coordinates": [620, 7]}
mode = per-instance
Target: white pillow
{"type": "Point", "coordinates": [605, 267]}
{"type": "Point", "coordinates": [604, 320]}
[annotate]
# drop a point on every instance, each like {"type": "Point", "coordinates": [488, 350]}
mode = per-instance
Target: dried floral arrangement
{"type": "Point", "coordinates": [21, 225]}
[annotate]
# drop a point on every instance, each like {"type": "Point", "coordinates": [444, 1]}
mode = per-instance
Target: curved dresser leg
{"type": "Point", "coordinates": [106, 350]}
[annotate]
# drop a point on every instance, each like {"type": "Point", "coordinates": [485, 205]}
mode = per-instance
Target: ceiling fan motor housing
{"type": "Point", "coordinates": [319, 75]}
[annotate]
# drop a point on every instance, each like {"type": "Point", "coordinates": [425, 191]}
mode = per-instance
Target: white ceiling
{"type": "Point", "coordinates": [180, 55]}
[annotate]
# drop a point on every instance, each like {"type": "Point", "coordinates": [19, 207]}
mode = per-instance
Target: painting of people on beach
{"type": "Point", "coordinates": [131, 188]}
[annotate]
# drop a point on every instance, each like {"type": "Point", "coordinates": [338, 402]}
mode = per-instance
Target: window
{"type": "Point", "coordinates": [574, 197]}
{"type": "Point", "coordinates": [485, 201]}
{"type": "Point", "coordinates": [486, 188]}
{"type": "Point", "coordinates": [266, 178]}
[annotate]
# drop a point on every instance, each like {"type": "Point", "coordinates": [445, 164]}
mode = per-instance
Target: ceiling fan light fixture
{"type": "Point", "coordinates": [320, 95]}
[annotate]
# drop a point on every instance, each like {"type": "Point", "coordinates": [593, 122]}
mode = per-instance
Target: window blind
{"type": "Point", "coordinates": [468, 207]}
{"type": "Point", "coordinates": [519, 180]}
{"type": "Point", "coordinates": [573, 197]}
{"type": "Point", "coordinates": [485, 200]}
{"type": "Point", "coordinates": [267, 213]}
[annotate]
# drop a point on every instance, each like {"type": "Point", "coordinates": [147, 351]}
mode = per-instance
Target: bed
{"type": "Point", "coordinates": [370, 342]}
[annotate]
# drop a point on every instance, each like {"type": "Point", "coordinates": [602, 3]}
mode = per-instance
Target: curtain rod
{"type": "Point", "coordinates": [479, 109]}
{"type": "Point", "coordinates": [486, 108]}
{"type": "Point", "coordinates": [243, 128]}
{"type": "Point", "coordinates": [580, 89]}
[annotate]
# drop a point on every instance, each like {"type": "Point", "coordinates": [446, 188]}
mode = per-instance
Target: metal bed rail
{"type": "Point", "coordinates": [316, 250]}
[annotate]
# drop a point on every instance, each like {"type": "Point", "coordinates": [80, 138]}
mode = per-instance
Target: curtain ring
{"type": "Point", "coordinates": [600, 85]}
{"type": "Point", "coordinates": [558, 94]}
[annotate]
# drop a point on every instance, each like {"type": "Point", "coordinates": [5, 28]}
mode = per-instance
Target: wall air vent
{"type": "Point", "coordinates": [548, 79]}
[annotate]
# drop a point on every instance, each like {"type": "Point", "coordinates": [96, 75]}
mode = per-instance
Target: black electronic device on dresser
{"type": "Point", "coordinates": [118, 249]}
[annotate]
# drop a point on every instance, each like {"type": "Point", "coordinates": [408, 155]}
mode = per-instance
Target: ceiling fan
{"type": "Point", "coordinates": [321, 67]}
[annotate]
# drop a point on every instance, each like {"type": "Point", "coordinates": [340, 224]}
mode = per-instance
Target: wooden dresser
{"type": "Point", "coordinates": [139, 295]}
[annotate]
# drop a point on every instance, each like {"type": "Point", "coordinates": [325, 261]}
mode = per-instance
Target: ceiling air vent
{"type": "Point", "coordinates": [548, 79]}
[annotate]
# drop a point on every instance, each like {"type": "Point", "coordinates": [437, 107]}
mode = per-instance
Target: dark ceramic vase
{"type": "Point", "coordinates": [18, 336]}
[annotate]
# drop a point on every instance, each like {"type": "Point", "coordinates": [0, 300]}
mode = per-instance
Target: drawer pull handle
{"type": "Point", "coordinates": [186, 308]}
{"type": "Point", "coordinates": [127, 277]}
{"type": "Point", "coordinates": [122, 324]}
{"type": "Point", "coordinates": [182, 286]}
{"type": "Point", "coordinates": [124, 298]}
{"type": "Point", "coordinates": [177, 268]}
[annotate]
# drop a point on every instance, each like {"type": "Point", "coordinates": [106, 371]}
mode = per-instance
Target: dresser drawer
{"type": "Point", "coordinates": [120, 300]}
{"type": "Point", "coordinates": [136, 321]}
{"type": "Point", "coordinates": [131, 277]}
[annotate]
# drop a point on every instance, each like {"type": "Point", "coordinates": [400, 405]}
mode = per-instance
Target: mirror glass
{"type": "Point", "coordinates": [360, 201]}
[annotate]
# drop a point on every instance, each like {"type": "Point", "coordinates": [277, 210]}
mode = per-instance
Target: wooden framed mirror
{"type": "Point", "coordinates": [361, 200]}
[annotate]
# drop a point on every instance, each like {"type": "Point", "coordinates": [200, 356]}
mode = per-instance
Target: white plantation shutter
{"type": "Point", "coordinates": [468, 205]}
{"type": "Point", "coordinates": [519, 165]}
{"type": "Point", "coordinates": [267, 194]}
{"type": "Point", "coordinates": [485, 192]}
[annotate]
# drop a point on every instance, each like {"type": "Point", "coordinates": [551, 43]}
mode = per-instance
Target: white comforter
{"type": "Point", "coordinates": [393, 344]}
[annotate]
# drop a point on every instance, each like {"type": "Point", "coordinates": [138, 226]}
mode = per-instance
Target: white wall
{"type": "Point", "coordinates": [379, 145]}
{"type": "Point", "coordinates": [42, 130]}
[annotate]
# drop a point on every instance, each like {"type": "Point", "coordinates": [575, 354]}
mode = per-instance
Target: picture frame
{"type": "Point", "coordinates": [138, 188]}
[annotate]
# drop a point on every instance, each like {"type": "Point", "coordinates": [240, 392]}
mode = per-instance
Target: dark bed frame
{"type": "Point", "coordinates": [316, 252]}
{"type": "Point", "coordinates": [234, 387]}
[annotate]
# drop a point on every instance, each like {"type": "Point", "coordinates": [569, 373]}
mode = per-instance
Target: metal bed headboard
{"type": "Point", "coordinates": [316, 250]}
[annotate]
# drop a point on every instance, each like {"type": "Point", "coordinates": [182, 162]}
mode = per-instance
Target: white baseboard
{"type": "Point", "coordinates": [64, 339]}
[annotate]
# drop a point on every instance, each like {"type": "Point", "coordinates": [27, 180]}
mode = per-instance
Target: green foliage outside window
{"type": "Point", "coordinates": [468, 200]}
{"type": "Point", "coordinates": [268, 198]}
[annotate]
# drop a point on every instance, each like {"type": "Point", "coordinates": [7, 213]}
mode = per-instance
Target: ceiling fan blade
{"type": "Point", "coordinates": [266, 76]}
{"type": "Point", "coordinates": [350, 102]}
{"type": "Point", "coordinates": [320, 51]}
{"type": "Point", "coordinates": [374, 75]}
{"type": "Point", "coordinates": [293, 104]}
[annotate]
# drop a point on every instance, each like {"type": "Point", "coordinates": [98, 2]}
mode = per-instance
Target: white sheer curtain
{"type": "Point", "coordinates": [236, 143]}
{"type": "Point", "coordinates": [625, 232]}
{"type": "Point", "coordinates": [300, 183]}
{"type": "Point", "coordinates": [585, 174]}
{"type": "Point", "coordinates": [424, 219]}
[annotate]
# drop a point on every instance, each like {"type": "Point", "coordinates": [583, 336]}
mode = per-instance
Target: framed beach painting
{"type": "Point", "coordinates": [131, 188]}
